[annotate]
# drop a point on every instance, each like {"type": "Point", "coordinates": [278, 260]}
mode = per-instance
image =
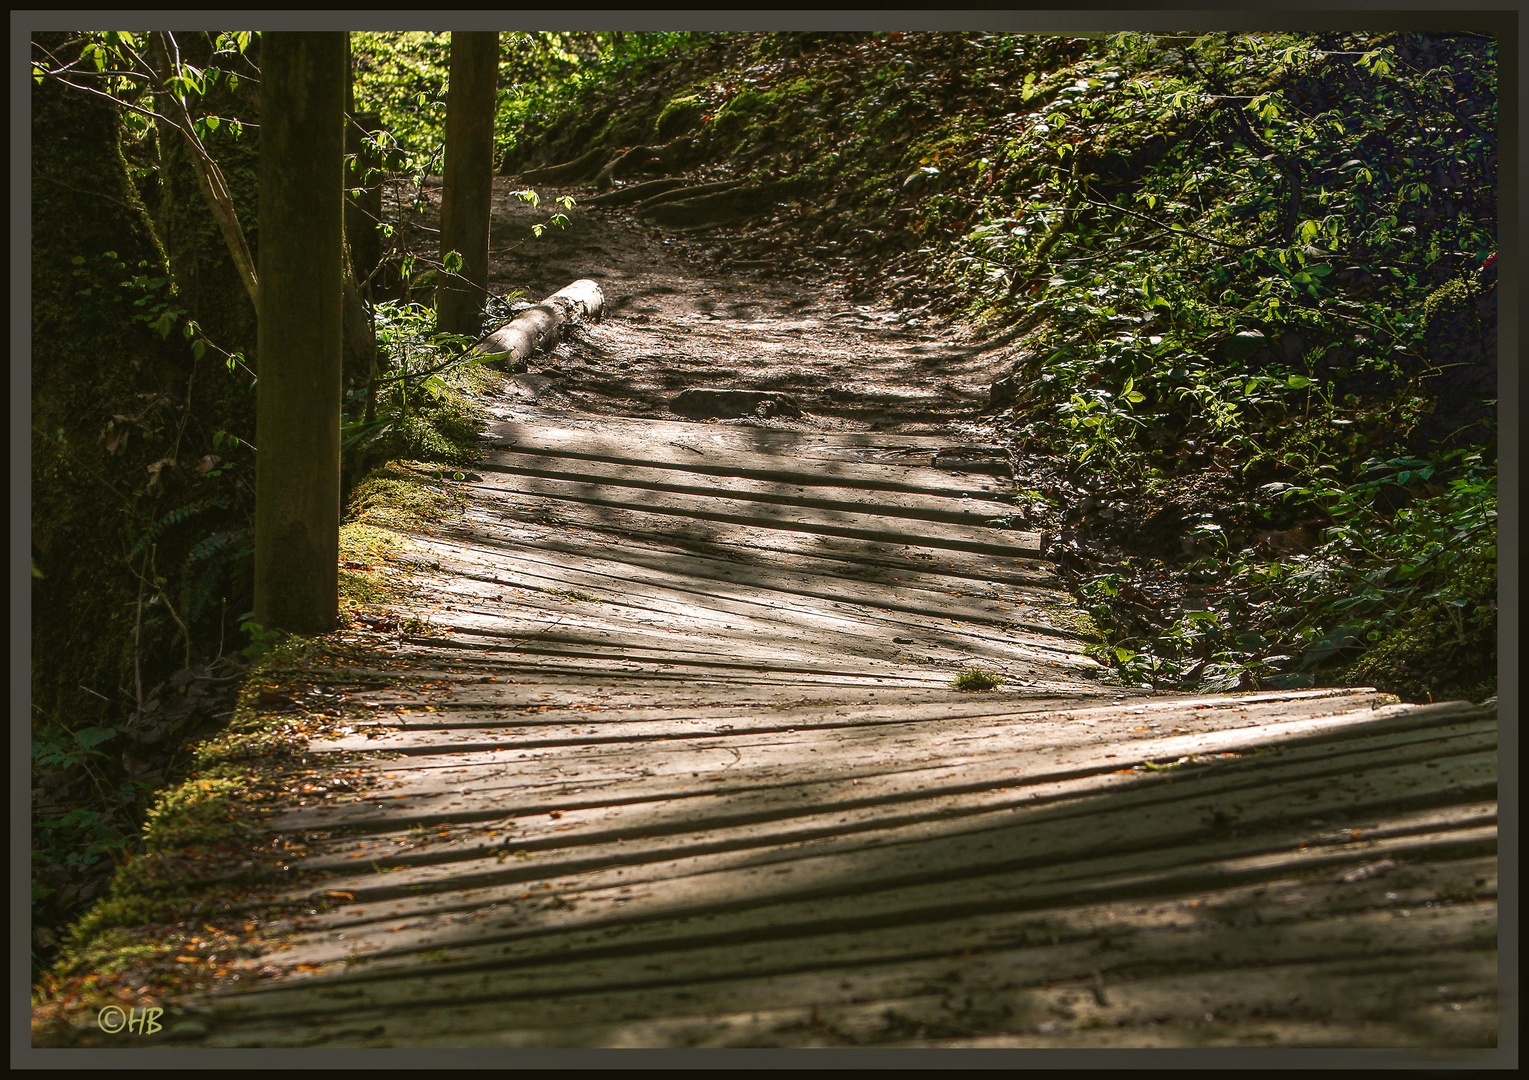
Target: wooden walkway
{"type": "Point", "coordinates": [693, 773]}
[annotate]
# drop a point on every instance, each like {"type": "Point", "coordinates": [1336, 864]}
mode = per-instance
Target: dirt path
{"type": "Point", "coordinates": [679, 762]}
{"type": "Point", "coordinates": [686, 310]}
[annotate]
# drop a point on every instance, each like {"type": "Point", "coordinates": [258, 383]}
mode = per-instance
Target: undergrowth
{"type": "Point", "coordinates": [1263, 265]}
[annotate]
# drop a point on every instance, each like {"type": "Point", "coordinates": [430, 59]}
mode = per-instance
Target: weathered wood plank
{"type": "Point", "coordinates": [426, 915]}
{"type": "Point", "coordinates": [774, 790]}
{"type": "Point", "coordinates": [1029, 578]}
{"type": "Point", "coordinates": [723, 507]}
{"type": "Point", "coordinates": [737, 877]}
{"type": "Point", "coordinates": [701, 454]}
{"type": "Point", "coordinates": [459, 732]}
{"type": "Point", "coordinates": [517, 472]}
{"type": "Point", "coordinates": [988, 604]}
{"type": "Point", "coordinates": [985, 947]}
{"type": "Point", "coordinates": [533, 517]}
{"type": "Point", "coordinates": [743, 437]}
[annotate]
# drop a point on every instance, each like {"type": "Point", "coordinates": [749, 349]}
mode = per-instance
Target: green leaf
{"type": "Point", "coordinates": [94, 736]}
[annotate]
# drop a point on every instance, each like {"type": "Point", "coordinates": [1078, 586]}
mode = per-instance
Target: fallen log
{"type": "Point", "coordinates": [536, 326]}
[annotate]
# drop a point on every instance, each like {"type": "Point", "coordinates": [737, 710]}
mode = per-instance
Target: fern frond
{"type": "Point", "coordinates": [173, 518]}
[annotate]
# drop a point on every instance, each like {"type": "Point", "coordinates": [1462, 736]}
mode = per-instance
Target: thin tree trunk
{"type": "Point", "coordinates": [363, 213]}
{"type": "Point", "coordinates": [297, 471]}
{"type": "Point", "coordinates": [208, 176]}
{"type": "Point", "coordinates": [469, 175]}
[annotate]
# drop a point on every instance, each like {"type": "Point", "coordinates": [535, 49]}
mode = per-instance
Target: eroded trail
{"type": "Point", "coordinates": [679, 761]}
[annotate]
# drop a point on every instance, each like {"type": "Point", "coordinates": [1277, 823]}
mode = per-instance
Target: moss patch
{"type": "Point", "coordinates": [1077, 621]}
{"type": "Point", "coordinates": [679, 116]}
{"type": "Point", "coordinates": [402, 497]}
{"type": "Point", "coordinates": [977, 679]}
{"type": "Point", "coordinates": [442, 420]}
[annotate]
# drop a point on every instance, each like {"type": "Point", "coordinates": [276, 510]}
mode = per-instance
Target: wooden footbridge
{"type": "Point", "coordinates": [689, 770]}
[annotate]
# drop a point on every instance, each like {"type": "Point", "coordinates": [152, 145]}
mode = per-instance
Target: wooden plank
{"type": "Point", "coordinates": [468, 690]}
{"type": "Point", "coordinates": [430, 897]}
{"type": "Point", "coordinates": [595, 692]}
{"type": "Point", "coordinates": [911, 742]}
{"type": "Point", "coordinates": [573, 943]}
{"type": "Point", "coordinates": [755, 793]}
{"type": "Point", "coordinates": [517, 473]}
{"type": "Point", "coordinates": [607, 459]}
{"type": "Point", "coordinates": [573, 592]}
{"type": "Point", "coordinates": [1298, 1003]}
{"type": "Point", "coordinates": [762, 619]}
{"type": "Point", "coordinates": [463, 732]}
{"type": "Point", "coordinates": [750, 639]}
{"type": "Point", "coordinates": [719, 539]}
{"type": "Point", "coordinates": [736, 436]}
{"type": "Point", "coordinates": [725, 508]}
{"type": "Point", "coordinates": [988, 603]}
{"type": "Point", "coordinates": [710, 817]}
{"type": "Point", "coordinates": [1030, 579]}
{"type": "Point", "coordinates": [564, 942]}
{"type": "Point", "coordinates": [978, 941]}
{"type": "Point", "coordinates": [565, 959]}
{"type": "Point", "coordinates": [1301, 1003]}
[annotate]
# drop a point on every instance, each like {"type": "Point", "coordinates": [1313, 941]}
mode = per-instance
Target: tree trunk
{"type": "Point", "coordinates": [297, 432]}
{"type": "Point", "coordinates": [469, 179]}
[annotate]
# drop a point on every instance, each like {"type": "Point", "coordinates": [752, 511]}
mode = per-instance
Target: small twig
{"type": "Point", "coordinates": [1165, 225]}
{"type": "Point", "coordinates": [137, 652]}
{"type": "Point", "coordinates": [169, 606]}
{"type": "Point", "coordinates": [97, 194]}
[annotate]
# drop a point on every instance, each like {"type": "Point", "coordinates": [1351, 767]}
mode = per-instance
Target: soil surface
{"type": "Point", "coordinates": [699, 309]}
